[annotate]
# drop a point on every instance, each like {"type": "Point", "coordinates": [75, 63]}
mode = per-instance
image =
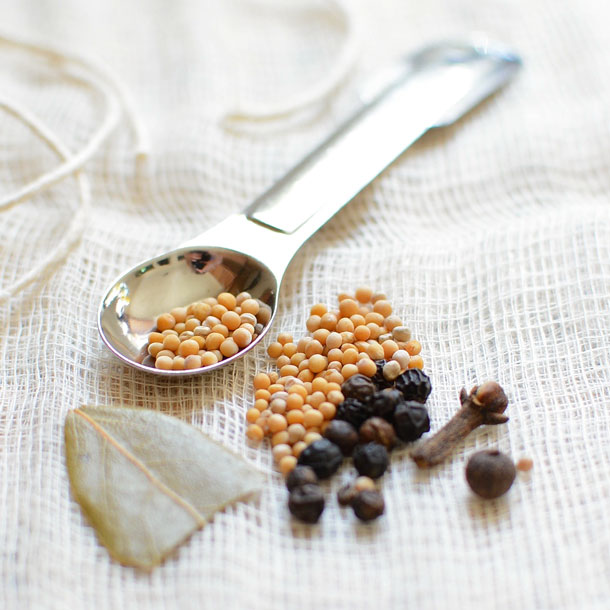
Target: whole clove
{"type": "Point", "coordinates": [485, 404]}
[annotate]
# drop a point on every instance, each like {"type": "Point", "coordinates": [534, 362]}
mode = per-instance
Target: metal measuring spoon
{"type": "Point", "coordinates": [251, 250]}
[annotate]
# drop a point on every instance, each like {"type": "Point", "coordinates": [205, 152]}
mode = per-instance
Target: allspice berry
{"type": "Point", "coordinates": [490, 473]}
{"type": "Point", "coordinates": [378, 430]}
{"type": "Point", "coordinates": [368, 505]}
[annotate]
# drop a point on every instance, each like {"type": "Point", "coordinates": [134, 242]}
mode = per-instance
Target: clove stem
{"type": "Point", "coordinates": [484, 405]}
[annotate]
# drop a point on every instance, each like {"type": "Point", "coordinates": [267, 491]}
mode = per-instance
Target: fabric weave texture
{"type": "Point", "coordinates": [491, 238]}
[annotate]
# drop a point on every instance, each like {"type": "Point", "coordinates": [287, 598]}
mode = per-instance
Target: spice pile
{"type": "Point", "coordinates": [206, 332]}
{"type": "Point", "coordinates": [354, 385]}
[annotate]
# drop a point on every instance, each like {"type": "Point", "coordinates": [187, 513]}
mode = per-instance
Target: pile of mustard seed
{"type": "Point", "coordinates": [294, 406]}
{"type": "Point", "coordinates": [206, 332]}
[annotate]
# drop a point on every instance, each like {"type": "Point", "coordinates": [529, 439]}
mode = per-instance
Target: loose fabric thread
{"type": "Point", "coordinates": [115, 99]}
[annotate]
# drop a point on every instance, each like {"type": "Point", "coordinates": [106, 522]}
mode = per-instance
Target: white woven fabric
{"type": "Point", "coordinates": [492, 239]}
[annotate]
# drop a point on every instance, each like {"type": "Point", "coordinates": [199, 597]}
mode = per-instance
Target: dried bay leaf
{"type": "Point", "coordinates": [147, 481]}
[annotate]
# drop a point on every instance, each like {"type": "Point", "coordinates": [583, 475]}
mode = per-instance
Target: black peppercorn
{"type": "Point", "coordinates": [384, 403]}
{"type": "Point", "coordinates": [378, 430]}
{"type": "Point", "coordinates": [414, 384]}
{"type": "Point", "coordinates": [359, 387]}
{"type": "Point", "coordinates": [354, 411]}
{"type": "Point", "coordinates": [323, 456]}
{"type": "Point", "coordinates": [306, 502]}
{"type": "Point", "coordinates": [411, 420]}
{"type": "Point", "coordinates": [490, 473]}
{"type": "Point", "coordinates": [371, 460]}
{"type": "Point", "coordinates": [300, 475]}
{"type": "Point", "coordinates": [368, 505]}
{"type": "Point", "coordinates": [343, 434]}
{"type": "Point", "coordinates": [380, 382]}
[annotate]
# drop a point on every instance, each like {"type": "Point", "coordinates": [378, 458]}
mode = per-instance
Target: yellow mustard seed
{"type": "Point", "coordinates": [250, 306]}
{"type": "Point", "coordinates": [314, 347]}
{"type": "Point", "coordinates": [389, 348]}
{"type": "Point", "coordinates": [279, 438]}
{"type": "Point", "coordinates": [277, 423]}
{"type": "Point", "coordinates": [208, 358]}
{"type": "Point", "coordinates": [188, 348]}
{"type": "Point", "coordinates": [261, 403]}
{"type": "Point", "coordinates": [155, 337]}
{"type": "Point", "coordinates": [364, 484]}
{"type": "Point", "coordinates": [313, 323]}
{"type": "Point", "coordinates": [289, 349]}
{"type": "Point", "coordinates": [350, 356]}
{"type": "Point", "coordinates": [191, 324]}
{"type": "Point", "coordinates": [213, 341]}
{"type": "Point", "coordinates": [218, 311]}
{"type": "Point", "coordinates": [305, 375]}
{"type": "Point", "coordinates": [241, 297]}
{"type": "Point", "coordinates": [178, 363]}
{"type": "Point", "coordinates": [327, 409]}
{"type": "Point", "coordinates": [242, 337]}
{"type": "Point", "coordinates": [289, 370]}
{"type": "Point", "coordinates": [328, 321]}
{"type": "Point", "coordinates": [226, 299]}
{"type": "Point", "coordinates": [166, 352]}
{"type": "Point", "coordinates": [296, 432]}
{"type": "Point", "coordinates": [228, 347]}
{"type": "Point", "coordinates": [295, 416]}
{"type": "Point", "coordinates": [311, 437]}
{"type": "Point", "coordinates": [363, 294]}
{"type": "Point", "coordinates": [164, 362]}
{"type": "Point", "coordinates": [349, 370]}
{"type": "Point", "coordinates": [315, 399]}
{"type": "Point", "coordinates": [321, 335]}
{"type": "Point", "coordinates": [416, 362]}
{"type": "Point", "coordinates": [348, 307]}
{"type": "Point", "coordinates": [254, 432]}
{"type": "Point", "coordinates": [297, 358]}
{"type": "Point", "coordinates": [282, 361]}
{"type": "Point", "coordinates": [317, 363]}
{"type": "Point", "coordinates": [294, 402]}
{"type": "Point", "coordinates": [319, 309]}
{"type": "Point", "coordinates": [165, 322]}
{"type": "Point", "coordinates": [287, 464]}
{"type": "Point", "coordinates": [367, 367]}
{"type": "Point", "coordinates": [231, 320]}
{"type": "Point", "coordinates": [275, 349]}
{"type": "Point", "coordinates": [313, 418]}
{"type": "Point", "coordinates": [344, 325]}
{"type": "Point", "coordinates": [192, 361]}
{"type": "Point", "coordinates": [155, 348]}
{"type": "Point", "coordinates": [413, 347]}
{"type": "Point", "coordinates": [347, 339]}
{"type": "Point", "coordinates": [284, 338]}
{"type": "Point", "coordinates": [252, 415]}
{"type": "Point", "coordinates": [262, 394]}
{"type": "Point", "coordinates": [278, 405]}
{"type": "Point", "coordinates": [335, 396]}
{"type": "Point", "coordinates": [298, 447]}
{"type": "Point", "coordinates": [201, 311]}
{"type": "Point", "coordinates": [319, 384]}
{"type": "Point", "coordinates": [200, 341]}
{"type": "Point", "coordinates": [261, 381]}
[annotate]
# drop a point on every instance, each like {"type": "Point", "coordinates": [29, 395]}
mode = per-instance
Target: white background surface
{"type": "Point", "coordinates": [491, 238]}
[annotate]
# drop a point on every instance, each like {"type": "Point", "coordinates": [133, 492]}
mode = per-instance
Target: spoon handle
{"type": "Point", "coordinates": [432, 88]}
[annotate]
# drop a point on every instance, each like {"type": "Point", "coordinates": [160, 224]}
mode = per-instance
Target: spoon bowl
{"type": "Point", "coordinates": [250, 251]}
{"type": "Point", "coordinates": [128, 313]}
